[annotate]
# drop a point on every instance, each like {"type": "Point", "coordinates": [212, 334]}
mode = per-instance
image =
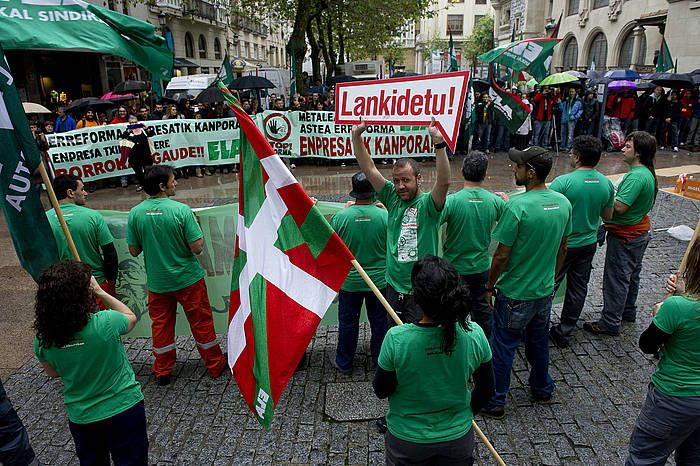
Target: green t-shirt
{"type": "Point", "coordinates": [678, 371]}
{"type": "Point", "coordinates": [533, 224]}
{"type": "Point", "coordinates": [432, 401]}
{"type": "Point", "coordinates": [163, 228]}
{"type": "Point", "coordinates": [589, 192]}
{"type": "Point", "coordinates": [470, 215]}
{"type": "Point", "coordinates": [412, 234]}
{"type": "Point", "coordinates": [637, 191]}
{"type": "Point", "coordinates": [98, 381]}
{"type": "Point", "coordinates": [363, 229]}
{"type": "Point", "coordinates": [89, 232]}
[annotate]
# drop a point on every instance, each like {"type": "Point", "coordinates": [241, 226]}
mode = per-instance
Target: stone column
{"type": "Point", "coordinates": [638, 34]}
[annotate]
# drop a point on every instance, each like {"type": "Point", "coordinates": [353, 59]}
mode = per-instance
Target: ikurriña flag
{"type": "Point", "coordinates": [508, 107]}
{"type": "Point", "coordinates": [289, 265]}
{"type": "Point", "coordinates": [30, 231]}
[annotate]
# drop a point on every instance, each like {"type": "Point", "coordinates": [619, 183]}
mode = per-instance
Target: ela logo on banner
{"type": "Point", "coordinates": [414, 100]}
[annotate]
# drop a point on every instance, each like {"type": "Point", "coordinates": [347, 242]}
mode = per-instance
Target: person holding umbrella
{"type": "Point", "coordinates": [88, 119]}
{"type": "Point", "coordinates": [571, 111]}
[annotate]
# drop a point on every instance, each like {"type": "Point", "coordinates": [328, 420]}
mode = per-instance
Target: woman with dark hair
{"type": "Point", "coordinates": [627, 235]}
{"type": "Point", "coordinates": [670, 417]}
{"type": "Point", "coordinates": [84, 349]}
{"type": "Point", "coordinates": [425, 368]}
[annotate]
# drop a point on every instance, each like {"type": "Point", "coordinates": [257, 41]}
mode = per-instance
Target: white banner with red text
{"type": "Point", "coordinates": [94, 154]}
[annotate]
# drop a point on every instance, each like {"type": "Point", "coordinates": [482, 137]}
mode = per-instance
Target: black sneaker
{"type": "Point", "coordinates": [537, 398]}
{"type": "Point", "coordinates": [494, 413]}
{"type": "Point", "coordinates": [380, 424]}
{"type": "Point", "coordinates": [338, 368]}
{"type": "Point", "coordinates": [559, 340]}
{"type": "Point", "coordinates": [630, 319]}
{"type": "Point", "coordinates": [597, 329]}
{"type": "Point", "coordinates": [163, 380]}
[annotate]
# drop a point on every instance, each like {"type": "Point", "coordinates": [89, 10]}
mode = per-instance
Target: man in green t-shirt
{"type": "Point", "coordinates": [92, 238]}
{"type": "Point", "coordinates": [414, 216]}
{"type": "Point", "coordinates": [168, 234]}
{"type": "Point", "coordinates": [592, 196]}
{"type": "Point", "coordinates": [532, 236]}
{"type": "Point", "coordinates": [627, 236]}
{"type": "Point", "coordinates": [362, 227]}
{"type": "Point", "coordinates": [471, 214]}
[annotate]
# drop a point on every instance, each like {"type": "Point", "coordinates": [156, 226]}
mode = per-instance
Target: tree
{"type": "Point", "coordinates": [480, 41]}
{"type": "Point", "coordinates": [435, 43]}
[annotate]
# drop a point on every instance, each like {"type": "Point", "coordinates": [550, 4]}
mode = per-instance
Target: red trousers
{"type": "Point", "coordinates": [110, 288]}
{"type": "Point", "coordinates": [195, 303]}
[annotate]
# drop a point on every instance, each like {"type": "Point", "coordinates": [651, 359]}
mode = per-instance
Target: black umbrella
{"type": "Point", "coordinates": [672, 80]}
{"type": "Point", "coordinates": [119, 100]}
{"type": "Point", "coordinates": [176, 98]}
{"type": "Point", "coordinates": [404, 74]}
{"type": "Point", "coordinates": [342, 78]}
{"type": "Point", "coordinates": [86, 102]}
{"type": "Point", "coordinates": [131, 86]}
{"type": "Point", "coordinates": [210, 95]}
{"type": "Point", "coordinates": [646, 86]}
{"type": "Point", "coordinates": [695, 77]}
{"type": "Point", "coordinates": [251, 82]}
{"type": "Point", "coordinates": [480, 85]}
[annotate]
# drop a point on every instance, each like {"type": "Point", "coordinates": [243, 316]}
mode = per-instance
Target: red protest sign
{"type": "Point", "coordinates": [414, 100]}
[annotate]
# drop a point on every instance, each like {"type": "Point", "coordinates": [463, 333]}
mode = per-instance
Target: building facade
{"type": "Point", "coordinates": [612, 34]}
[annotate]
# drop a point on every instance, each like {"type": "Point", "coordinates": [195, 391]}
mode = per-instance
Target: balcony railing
{"type": "Point", "coordinates": [249, 25]}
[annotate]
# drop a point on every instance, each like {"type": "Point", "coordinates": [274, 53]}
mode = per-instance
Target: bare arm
{"type": "Point", "coordinates": [608, 213]}
{"type": "Point", "coordinates": [135, 250]}
{"type": "Point", "coordinates": [363, 158]}
{"type": "Point", "coordinates": [561, 254]}
{"type": "Point", "coordinates": [50, 370]}
{"type": "Point", "coordinates": [620, 207]}
{"type": "Point", "coordinates": [111, 302]}
{"type": "Point", "coordinates": [442, 166]}
{"type": "Point", "coordinates": [498, 263]}
{"type": "Point", "coordinates": [197, 246]}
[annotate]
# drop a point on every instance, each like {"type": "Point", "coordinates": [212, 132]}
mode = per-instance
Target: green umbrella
{"type": "Point", "coordinates": [557, 79]}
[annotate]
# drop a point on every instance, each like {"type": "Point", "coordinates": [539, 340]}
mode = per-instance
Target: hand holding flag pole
{"type": "Point", "coordinates": [57, 208]}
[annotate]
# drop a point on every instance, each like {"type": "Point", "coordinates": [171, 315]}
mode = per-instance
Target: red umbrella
{"type": "Point", "coordinates": [112, 96]}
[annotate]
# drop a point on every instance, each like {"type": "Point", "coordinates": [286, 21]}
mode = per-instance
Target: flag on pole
{"type": "Point", "coordinates": [555, 30]}
{"type": "Point", "coordinates": [508, 107]}
{"type": "Point", "coordinates": [288, 267]}
{"type": "Point", "coordinates": [453, 65]}
{"type": "Point", "coordinates": [470, 115]}
{"type": "Point", "coordinates": [29, 228]}
{"type": "Point", "coordinates": [531, 55]}
{"type": "Point", "coordinates": [225, 74]}
{"type": "Point", "coordinates": [665, 60]}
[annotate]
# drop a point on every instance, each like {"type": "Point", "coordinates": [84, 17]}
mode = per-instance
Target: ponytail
{"type": "Point", "coordinates": [443, 297]}
{"type": "Point", "coordinates": [645, 147]}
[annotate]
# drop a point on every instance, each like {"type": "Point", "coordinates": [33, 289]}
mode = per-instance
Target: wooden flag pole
{"type": "Point", "coordinates": [398, 321]}
{"type": "Point", "coordinates": [57, 209]}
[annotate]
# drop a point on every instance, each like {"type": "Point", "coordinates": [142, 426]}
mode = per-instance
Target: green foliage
{"type": "Point", "coordinates": [480, 41]}
{"type": "Point", "coordinates": [435, 43]}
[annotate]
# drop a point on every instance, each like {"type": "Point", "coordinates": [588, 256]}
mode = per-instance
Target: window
{"type": "Point", "coordinates": [573, 7]}
{"type": "Point", "coordinates": [600, 3]}
{"type": "Point", "coordinates": [570, 54]}
{"type": "Point", "coordinates": [217, 49]}
{"type": "Point", "coordinates": [189, 45]}
{"type": "Point", "coordinates": [477, 18]}
{"type": "Point", "coordinates": [627, 49]}
{"type": "Point", "coordinates": [480, 2]}
{"type": "Point", "coordinates": [255, 50]}
{"type": "Point", "coordinates": [455, 24]}
{"type": "Point", "coordinates": [598, 51]}
{"type": "Point", "coordinates": [202, 46]}
{"type": "Point", "coordinates": [642, 56]}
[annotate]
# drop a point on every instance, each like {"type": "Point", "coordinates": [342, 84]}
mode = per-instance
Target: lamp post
{"type": "Point", "coordinates": [161, 23]}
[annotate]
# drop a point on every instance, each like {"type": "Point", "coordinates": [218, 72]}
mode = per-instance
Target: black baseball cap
{"type": "Point", "coordinates": [361, 187]}
{"type": "Point", "coordinates": [524, 156]}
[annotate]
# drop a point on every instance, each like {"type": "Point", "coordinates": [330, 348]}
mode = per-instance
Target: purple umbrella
{"type": "Point", "coordinates": [622, 86]}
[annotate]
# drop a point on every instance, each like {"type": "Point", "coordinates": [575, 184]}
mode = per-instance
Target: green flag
{"type": "Point", "coordinates": [531, 55]}
{"type": "Point", "coordinates": [78, 25]}
{"type": "Point", "coordinates": [508, 107]}
{"type": "Point", "coordinates": [453, 65]}
{"type": "Point", "coordinates": [225, 72]}
{"type": "Point", "coordinates": [21, 204]}
{"type": "Point", "coordinates": [665, 60]}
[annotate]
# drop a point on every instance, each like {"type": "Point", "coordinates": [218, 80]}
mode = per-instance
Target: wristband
{"type": "Point", "coordinates": [440, 145]}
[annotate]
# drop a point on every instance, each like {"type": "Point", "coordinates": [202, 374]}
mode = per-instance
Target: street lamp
{"type": "Point", "coordinates": [161, 22]}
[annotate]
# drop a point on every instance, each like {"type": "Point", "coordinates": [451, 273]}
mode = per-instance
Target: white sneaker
{"type": "Point", "coordinates": [675, 149]}
{"type": "Point", "coordinates": [292, 166]}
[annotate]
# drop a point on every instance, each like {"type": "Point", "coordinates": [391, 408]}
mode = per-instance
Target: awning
{"type": "Point", "coordinates": [184, 63]}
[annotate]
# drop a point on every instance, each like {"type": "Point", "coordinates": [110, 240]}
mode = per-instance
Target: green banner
{"type": "Point", "coordinates": [531, 55]}
{"type": "Point", "coordinates": [93, 153]}
{"type": "Point", "coordinates": [79, 25]}
{"type": "Point", "coordinates": [21, 203]}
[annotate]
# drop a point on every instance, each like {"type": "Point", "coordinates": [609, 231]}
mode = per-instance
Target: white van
{"type": "Point", "coordinates": [280, 77]}
{"type": "Point", "coordinates": [192, 84]}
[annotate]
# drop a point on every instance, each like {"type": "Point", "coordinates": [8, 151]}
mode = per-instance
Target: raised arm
{"type": "Point", "coordinates": [442, 167]}
{"type": "Point", "coordinates": [363, 158]}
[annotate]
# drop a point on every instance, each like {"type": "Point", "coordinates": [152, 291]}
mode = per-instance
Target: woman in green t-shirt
{"type": "Point", "coordinates": [670, 418]}
{"type": "Point", "coordinates": [83, 348]}
{"type": "Point", "coordinates": [429, 422]}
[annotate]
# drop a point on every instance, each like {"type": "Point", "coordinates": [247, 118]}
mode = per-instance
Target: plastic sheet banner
{"type": "Point", "coordinates": [93, 153]}
{"type": "Point", "coordinates": [219, 232]}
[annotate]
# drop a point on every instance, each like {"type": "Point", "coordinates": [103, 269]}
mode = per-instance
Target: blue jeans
{"type": "Point", "coordinates": [483, 132]}
{"type": "Point", "coordinates": [349, 308]}
{"type": "Point", "coordinates": [666, 423]}
{"type": "Point", "coordinates": [480, 312]}
{"type": "Point", "coordinates": [567, 135]}
{"type": "Point", "coordinates": [577, 270]}
{"type": "Point", "coordinates": [623, 263]}
{"type": "Point", "coordinates": [540, 133]}
{"type": "Point", "coordinates": [502, 142]}
{"type": "Point", "coordinates": [514, 321]}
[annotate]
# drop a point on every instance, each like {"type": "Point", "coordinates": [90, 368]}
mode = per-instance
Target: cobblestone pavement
{"type": "Point", "coordinates": [601, 382]}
